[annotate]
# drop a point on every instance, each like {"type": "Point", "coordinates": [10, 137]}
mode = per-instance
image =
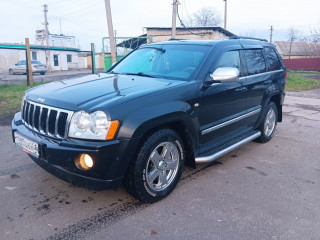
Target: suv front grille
{"type": "Point", "coordinates": [50, 121]}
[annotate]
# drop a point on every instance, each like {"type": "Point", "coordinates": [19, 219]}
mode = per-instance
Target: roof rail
{"type": "Point", "coordinates": [251, 38]}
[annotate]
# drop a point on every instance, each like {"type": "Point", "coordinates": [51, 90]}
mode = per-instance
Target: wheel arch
{"type": "Point", "coordinates": [277, 100]}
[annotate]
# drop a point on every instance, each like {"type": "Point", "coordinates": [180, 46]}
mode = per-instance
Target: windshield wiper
{"type": "Point", "coordinates": [139, 74]}
{"type": "Point", "coordinates": [158, 49]}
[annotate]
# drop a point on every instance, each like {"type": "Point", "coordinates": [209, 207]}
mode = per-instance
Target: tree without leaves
{"type": "Point", "coordinates": [205, 17]}
{"type": "Point", "coordinates": [314, 35]}
{"type": "Point", "coordinates": [293, 34]}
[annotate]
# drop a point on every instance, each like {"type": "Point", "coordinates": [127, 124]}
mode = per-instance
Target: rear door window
{"type": "Point", "coordinates": [272, 59]}
{"type": "Point", "coordinates": [255, 61]}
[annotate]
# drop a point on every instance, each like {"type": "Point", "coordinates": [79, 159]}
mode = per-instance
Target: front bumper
{"type": "Point", "coordinates": [58, 157]}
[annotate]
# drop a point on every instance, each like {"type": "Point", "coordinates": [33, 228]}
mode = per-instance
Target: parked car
{"type": "Point", "coordinates": [163, 106]}
{"type": "Point", "coordinates": [21, 67]}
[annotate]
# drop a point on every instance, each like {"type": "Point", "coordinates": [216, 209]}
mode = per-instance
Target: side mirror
{"type": "Point", "coordinates": [224, 74]}
{"type": "Point", "coordinates": [16, 64]}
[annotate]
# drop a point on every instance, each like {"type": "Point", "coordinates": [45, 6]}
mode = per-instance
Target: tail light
{"type": "Point", "coordinates": [35, 66]}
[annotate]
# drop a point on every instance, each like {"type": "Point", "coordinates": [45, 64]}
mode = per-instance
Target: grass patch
{"type": "Point", "coordinates": [10, 99]}
{"type": "Point", "coordinates": [304, 72]}
{"type": "Point", "coordinates": [297, 82]}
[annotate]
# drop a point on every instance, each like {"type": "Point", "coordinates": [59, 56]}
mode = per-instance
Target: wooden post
{"type": "Point", "coordinates": [111, 32]}
{"type": "Point", "coordinates": [28, 64]}
{"type": "Point", "coordinates": [93, 59]}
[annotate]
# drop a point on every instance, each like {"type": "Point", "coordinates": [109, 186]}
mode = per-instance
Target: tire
{"type": "Point", "coordinates": [42, 73]}
{"type": "Point", "coordinates": [269, 123]}
{"type": "Point", "coordinates": [153, 175]}
{"type": "Point", "coordinates": [11, 72]}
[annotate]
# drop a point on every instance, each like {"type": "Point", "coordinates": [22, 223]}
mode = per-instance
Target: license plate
{"type": "Point", "coordinates": [27, 145]}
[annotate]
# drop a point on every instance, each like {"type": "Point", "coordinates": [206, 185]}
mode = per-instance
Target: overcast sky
{"type": "Point", "coordinates": [86, 20]}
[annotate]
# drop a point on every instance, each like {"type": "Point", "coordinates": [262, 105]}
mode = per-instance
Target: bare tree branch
{"type": "Point", "coordinates": [203, 18]}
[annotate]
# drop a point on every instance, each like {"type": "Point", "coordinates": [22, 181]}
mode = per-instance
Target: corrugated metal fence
{"type": "Point", "coordinates": [303, 64]}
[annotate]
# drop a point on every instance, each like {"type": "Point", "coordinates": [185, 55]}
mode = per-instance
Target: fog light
{"type": "Point", "coordinates": [84, 162]}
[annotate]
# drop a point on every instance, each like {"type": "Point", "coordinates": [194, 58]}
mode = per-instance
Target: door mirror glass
{"type": "Point", "coordinates": [224, 74]}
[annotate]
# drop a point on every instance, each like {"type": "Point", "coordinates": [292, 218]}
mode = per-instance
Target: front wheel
{"type": "Point", "coordinates": [158, 166]}
{"type": "Point", "coordinates": [11, 72]}
{"type": "Point", "coordinates": [268, 126]}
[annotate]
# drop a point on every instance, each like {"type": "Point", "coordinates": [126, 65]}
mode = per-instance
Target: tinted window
{"type": "Point", "coordinates": [255, 61]}
{"type": "Point", "coordinates": [230, 59]}
{"type": "Point", "coordinates": [272, 59]}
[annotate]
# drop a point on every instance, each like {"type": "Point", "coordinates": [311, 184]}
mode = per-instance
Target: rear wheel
{"type": "Point", "coordinates": [158, 166]}
{"type": "Point", "coordinates": [268, 126]}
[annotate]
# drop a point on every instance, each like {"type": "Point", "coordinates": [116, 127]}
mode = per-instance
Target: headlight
{"type": "Point", "coordinates": [92, 126]}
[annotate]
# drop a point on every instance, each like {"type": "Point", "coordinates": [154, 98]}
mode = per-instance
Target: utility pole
{"type": "Point", "coordinates": [60, 26]}
{"type": "Point", "coordinates": [225, 14]}
{"type": "Point", "coordinates": [45, 10]}
{"type": "Point", "coordinates": [110, 31]}
{"type": "Point", "coordinates": [174, 18]}
{"type": "Point", "coordinates": [271, 33]}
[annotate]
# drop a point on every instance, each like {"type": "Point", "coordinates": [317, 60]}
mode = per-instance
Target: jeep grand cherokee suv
{"type": "Point", "coordinates": [163, 106]}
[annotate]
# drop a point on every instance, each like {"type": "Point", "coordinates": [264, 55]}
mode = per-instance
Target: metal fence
{"type": "Point", "coordinates": [123, 46]}
{"type": "Point", "coordinates": [8, 59]}
{"type": "Point", "coordinates": [64, 63]}
{"type": "Point", "coordinates": [304, 64]}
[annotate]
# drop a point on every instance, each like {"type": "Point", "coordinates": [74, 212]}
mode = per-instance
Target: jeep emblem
{"type": "Point", "coordinates": [41, 100]}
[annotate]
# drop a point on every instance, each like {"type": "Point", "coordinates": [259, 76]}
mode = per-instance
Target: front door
{"type": "Point", "coordinates": [56, 60]}
{"type": "Point", "coordinates": [223, 104]}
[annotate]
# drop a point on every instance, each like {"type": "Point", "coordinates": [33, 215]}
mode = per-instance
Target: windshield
{"type": "Point", "coordinates": [164, 61]}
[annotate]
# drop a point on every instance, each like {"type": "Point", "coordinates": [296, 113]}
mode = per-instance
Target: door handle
{"type": "Point", "coordinates": [241, 89]}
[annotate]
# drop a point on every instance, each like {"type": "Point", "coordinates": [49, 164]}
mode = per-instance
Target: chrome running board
{"type": "Point", "coordinates": [210, 158]}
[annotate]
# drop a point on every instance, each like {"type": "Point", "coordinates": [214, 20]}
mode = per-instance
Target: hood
{"type": "Point", "coordinates": [94, 92]}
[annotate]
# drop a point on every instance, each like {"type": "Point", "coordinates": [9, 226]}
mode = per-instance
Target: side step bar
{"type": "Point", "coordinates": [207, 159]}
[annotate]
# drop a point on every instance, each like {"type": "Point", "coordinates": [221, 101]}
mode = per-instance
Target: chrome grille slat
{"type": "Point", "coordinates": [56, 124]}
{"type": "Point", "coordinates": [47, 122]}
{"type": "Point", "coordinates": [33, 113]}
{"type": "Point", "coordinates": [52, 122]}
{"type": "Point", "coordinates": [39, 125]}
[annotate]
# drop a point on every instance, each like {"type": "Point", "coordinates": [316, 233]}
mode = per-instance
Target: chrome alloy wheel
{"type": "Point", "coordinates": [162, 166]}
{"type": "Point", "coordinates": [269, 122]}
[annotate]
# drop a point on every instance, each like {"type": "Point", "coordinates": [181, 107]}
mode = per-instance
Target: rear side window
{"type": "Point", "coordinates": [230, 59]}
{"type": "Point", "coordinates": [255, 61]}
{"type": "Point", "coordinates": [272, 59]}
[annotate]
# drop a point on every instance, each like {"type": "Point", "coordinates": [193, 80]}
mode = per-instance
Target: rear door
{"type": "Point", "coordinates": [256, 80]}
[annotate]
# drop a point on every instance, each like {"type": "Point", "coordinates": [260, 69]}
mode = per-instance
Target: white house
{"type": "Point", "coordinates": [61, 58]}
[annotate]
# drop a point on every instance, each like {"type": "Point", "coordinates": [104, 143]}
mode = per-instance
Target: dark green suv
{"type": "Point", "coordinates": [163, 106]}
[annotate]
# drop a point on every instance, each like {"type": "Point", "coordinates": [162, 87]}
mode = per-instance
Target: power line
{"type": "Point", "coordinates": [182, 24]}
{"type": "Point", "coordinates": [85, 8]}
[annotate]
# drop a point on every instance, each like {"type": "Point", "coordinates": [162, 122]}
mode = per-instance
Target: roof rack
{"type": "Point", "coordinates": [251, 38]}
